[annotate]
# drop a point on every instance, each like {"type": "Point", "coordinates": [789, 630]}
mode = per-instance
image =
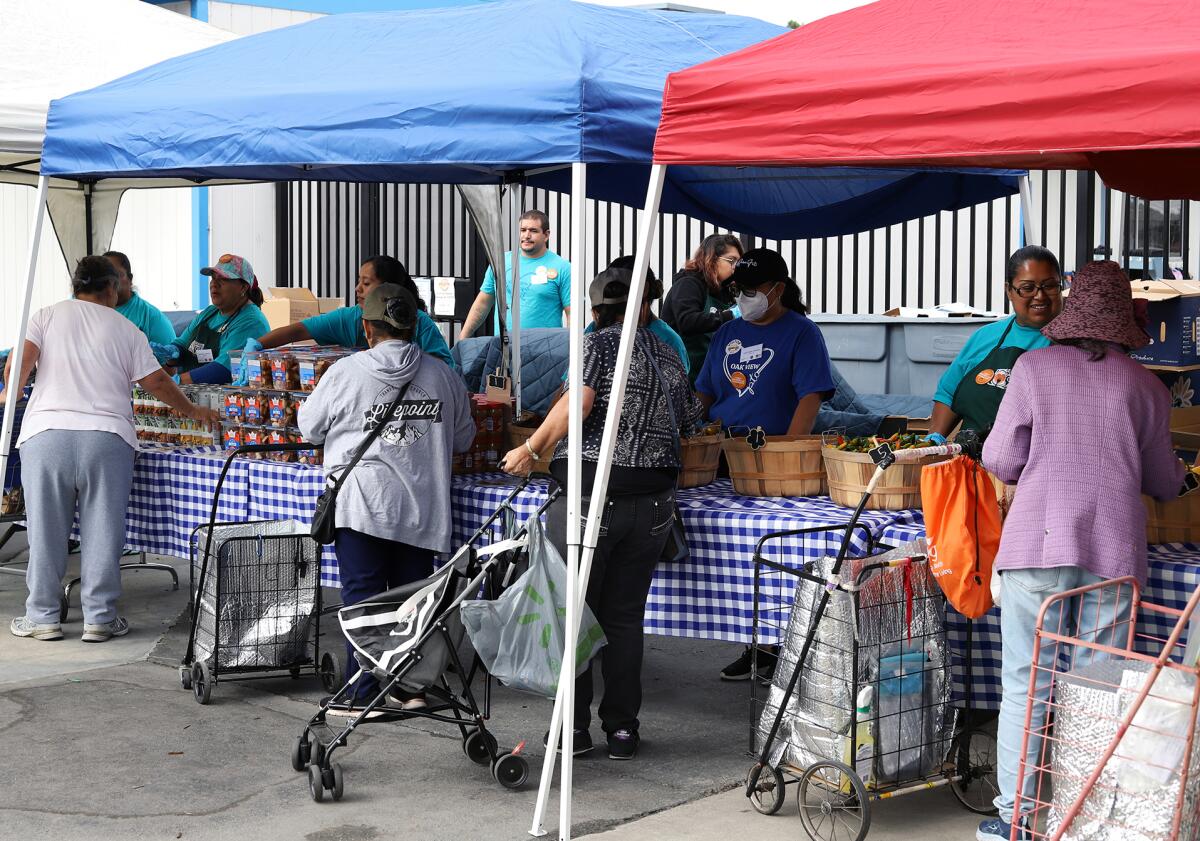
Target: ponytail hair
{"type": "Point", "coordinates": [254, 293]}
{"type": "Point", "coordinates": [791, 296]}
{"type": "Point", "coordinates": [93, 275]}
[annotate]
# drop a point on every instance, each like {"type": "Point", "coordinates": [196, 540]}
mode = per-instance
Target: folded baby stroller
{"type": "Point", "coordinates": [407, 637]}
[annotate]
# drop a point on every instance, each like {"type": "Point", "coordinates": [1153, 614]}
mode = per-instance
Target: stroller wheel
{"type": "Point", "coordinates": [301, 751]}
{"type": "Point", "coordinates": [64, 606]}
{"type": "Point", "coordinates": [316, 786]}
{"type": "Point", "coordinates": [201, 682]}
{"type": "Point", "coordinates": [511, 770]}
{"type": "Point", "coordinates": [185, 677]}
{"type": "Point", "coordinates": [767, 795]}
{"type": "Point", "coordinates": [332, 670]}
{"type": "Point", "coordinates": [479, 746]}
{"type": "Point", "coordinates": [316, 752]}
{"type": "Point", "coordinates": [335, 771]}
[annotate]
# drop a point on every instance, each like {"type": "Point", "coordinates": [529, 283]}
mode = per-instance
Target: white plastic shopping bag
{"type": "Point", "coordinates": [519, 636]}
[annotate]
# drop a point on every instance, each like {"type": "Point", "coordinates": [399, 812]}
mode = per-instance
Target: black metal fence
{"type": "Point", "coordinates": [325, 230]}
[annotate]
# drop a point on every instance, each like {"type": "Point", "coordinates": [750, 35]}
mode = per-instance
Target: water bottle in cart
{"type": "Point", "coordinates": [859, 752]}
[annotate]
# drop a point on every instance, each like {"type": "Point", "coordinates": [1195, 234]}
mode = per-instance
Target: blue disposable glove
{"type": "Point", "coordinates": [936, 438]}
{"type": "Point", "coordinates": [175, 379]}
{"type": "Point", "coordinates": [252, 346]}
{"type": "Point", "coordinates": [737, 312]}
{"type": "Point", "coordinates": [164, 353]}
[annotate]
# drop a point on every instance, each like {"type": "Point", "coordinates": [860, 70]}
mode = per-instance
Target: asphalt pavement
{"type": "Point", "coordinates": [99, 742]}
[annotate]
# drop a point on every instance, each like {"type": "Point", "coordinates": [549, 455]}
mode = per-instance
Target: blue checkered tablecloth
{"type": "Point", "coordinates": [710, 596]}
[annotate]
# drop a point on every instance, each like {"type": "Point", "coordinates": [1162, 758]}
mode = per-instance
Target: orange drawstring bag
{"type": "Point", "coordinates": [962, 529]}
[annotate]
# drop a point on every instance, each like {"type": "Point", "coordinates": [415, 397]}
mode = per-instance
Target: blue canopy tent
{"type": "Point", "coordinates": [544, 93]}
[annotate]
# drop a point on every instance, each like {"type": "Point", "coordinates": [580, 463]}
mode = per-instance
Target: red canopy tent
{"type": "Point", "coordinates": [1107, 85]}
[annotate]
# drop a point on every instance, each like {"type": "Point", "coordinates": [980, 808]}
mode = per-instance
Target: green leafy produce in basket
{"type": "Point", "coordinates": [866, 443]}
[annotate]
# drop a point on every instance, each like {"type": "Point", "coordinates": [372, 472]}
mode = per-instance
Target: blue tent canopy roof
{"type": "Point", "coordinates": [477, 94]}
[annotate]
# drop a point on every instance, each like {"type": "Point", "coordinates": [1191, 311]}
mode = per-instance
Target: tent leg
{"type": "Point", "coordinates": [608, 443]}
{"type": "Point", "coordinates": [515, 208]}
{"type": "Point", "coordinates": [10, 407]}
{"type": "Point", "coordinates": [1027, 226]}
{"type": "Point", "coordinates": [87, 218]}
{"type": "Point", "coordinates": [564, 702]}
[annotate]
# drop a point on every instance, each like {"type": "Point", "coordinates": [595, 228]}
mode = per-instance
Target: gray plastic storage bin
{"type": "Point", "coordinates": [881, 354]}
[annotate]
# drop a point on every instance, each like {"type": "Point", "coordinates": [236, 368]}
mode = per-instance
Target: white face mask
{"type": "Point", "coordinates": [754, 308]}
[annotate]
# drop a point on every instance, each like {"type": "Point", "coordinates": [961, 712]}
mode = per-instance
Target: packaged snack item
{"type": "Point", "coordinates": [259, 367]}
{"type": "Point", "coordinates": [279, 436]}
{"type": "Point", "coordinates": [231, 436]}
{"type": "Point", "coordinates": [254, 435]}
{"type": "Point", "coordinates": [282, 407]}
{"type": "Point", "coordinates": [233, 406]}
{"type": "Point", "coordinates": [255, 407]}
{"type": "Point", "coordinates": [312, 457]}
{"type": "Point", "coordinates": [285, 371]}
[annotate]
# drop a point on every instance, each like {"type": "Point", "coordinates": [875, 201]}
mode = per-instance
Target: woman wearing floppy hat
{"type": "Point", "coordinates": [1083, 432]}
{"type": "Point", "coordinates": [201, 354]}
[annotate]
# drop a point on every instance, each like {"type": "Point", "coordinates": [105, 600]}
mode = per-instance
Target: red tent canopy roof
{"type": "Point", "coordinates": [1110, 85]}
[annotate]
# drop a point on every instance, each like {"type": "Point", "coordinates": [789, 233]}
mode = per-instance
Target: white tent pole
{"type": "Point", "coordinates": [564, 702]}
{"type": "Point", "coordinates": [515, 208]}
{"type": "Point", "coordinates": [1026, 187]}
{"type": "Point", "coordinates": [11, 386]}
{"type": "Point", "coordinates": [608, 443]}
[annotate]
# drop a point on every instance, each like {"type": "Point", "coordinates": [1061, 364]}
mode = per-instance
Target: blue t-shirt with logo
{"type": "Point", "coordinates": [545, 289]}
{"type": "Point", "coordinates": [757, 374]}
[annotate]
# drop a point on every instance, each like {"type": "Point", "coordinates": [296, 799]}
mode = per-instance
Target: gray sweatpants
{"type": "Point", "coordinates": [59, 468]}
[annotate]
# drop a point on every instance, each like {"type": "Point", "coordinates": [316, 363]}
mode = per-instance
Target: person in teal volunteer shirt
{"type": "Point", "coordinates": [144, 315]}
{"type": "Point", "coordinates": [972, 387]}
{"type": "Point", "coordinates": [344, 326]}
{"type": "Point", "coordinates": [201, 354]}
{"type": "Point", "coordinates": [545, 282]}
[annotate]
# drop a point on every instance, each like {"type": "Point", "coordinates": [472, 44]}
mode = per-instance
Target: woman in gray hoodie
{"type": "Point", "coordinates": [393, 511]}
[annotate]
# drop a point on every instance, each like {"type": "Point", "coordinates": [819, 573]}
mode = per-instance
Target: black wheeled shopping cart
{"type": "Point", "coordinates": [256, 598]}
{"type": "Point", "coordinates": [860, 705]}
{"type": "Point", "coordinates": [406, 637]}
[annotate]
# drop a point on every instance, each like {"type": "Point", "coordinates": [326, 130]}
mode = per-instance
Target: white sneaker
{"type": "Point", "coordinates": [102, 633]}
{"type": "Point", "coordinates": [23, 627]}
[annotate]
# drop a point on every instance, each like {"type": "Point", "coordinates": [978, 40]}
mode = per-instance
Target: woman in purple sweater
{"type": "Point", "coordinates": [1083, 432]}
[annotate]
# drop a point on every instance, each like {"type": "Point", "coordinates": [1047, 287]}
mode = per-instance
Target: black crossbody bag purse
{"type": "Point", "coordinates": [324, 515]}
{"type": "Point", "coordinates": [676, 548]}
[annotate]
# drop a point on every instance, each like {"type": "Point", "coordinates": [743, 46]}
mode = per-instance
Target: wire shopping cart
{"type": "Point", "coordinates": [859, 708]}
{"type": "Point", "coordinates": [256, 598]}
{"type": "Point", "coordinates": [1109, 751]}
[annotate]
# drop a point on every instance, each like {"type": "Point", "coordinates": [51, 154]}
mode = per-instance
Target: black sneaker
{"type": "Point", "coordinates": [623, 744]}
{"type": "Point", "coordinates": [739, 669]}
{"type": "Point", "coordinates": [582, 742]}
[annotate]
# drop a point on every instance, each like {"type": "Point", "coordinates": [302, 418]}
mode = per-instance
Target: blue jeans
{"type": "Point", "coordinates": [1022, 593]}
{"type": "Point", "coordinates": [368, 566]}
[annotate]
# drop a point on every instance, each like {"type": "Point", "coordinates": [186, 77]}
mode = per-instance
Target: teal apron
{"type": "Point", "coordinates": [206, 342]}
{"type": "Point", "coordinates": [977, 398]}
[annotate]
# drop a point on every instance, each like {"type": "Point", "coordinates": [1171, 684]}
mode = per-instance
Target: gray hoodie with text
{"type": "Point", "coordinates": [400, 489]}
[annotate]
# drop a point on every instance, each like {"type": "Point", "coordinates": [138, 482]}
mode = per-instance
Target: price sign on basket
{"type": "Point", "coordinates": [882, 456]}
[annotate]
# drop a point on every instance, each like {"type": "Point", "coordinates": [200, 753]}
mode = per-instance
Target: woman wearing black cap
{"type": "Point", "coordinates": [767, 369]}
{"type": "Point", "coordinates": [659, 409]}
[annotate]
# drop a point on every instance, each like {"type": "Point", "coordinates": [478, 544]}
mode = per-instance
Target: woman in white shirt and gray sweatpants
{"type": "Point", "coordinates": [77, 446]}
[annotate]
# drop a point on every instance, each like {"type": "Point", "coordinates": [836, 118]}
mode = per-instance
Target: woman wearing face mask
{"type": "Point", "coordinates": [770, 367]}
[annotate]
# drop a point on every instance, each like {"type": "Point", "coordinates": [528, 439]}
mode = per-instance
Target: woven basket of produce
{"type": "Point", "coordinates": [701, 458]}
{"type": "Point", "coordinates": [849, 468]}
{"type": "Point", "coordinates": [786, 465]}
{"type": "Point", "coordinates": [1176, 521]}
{"type": "Point", "coordinates": [519, 433]}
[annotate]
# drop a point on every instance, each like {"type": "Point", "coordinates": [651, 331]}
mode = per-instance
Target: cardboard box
{"type": "Point", "coordinates": [1185, 428]}
{"type": "Point", "coordinates": [284, 305]}
{"type": "Point", "coordinates": [325, 305]}
{"type": "Point", "coordinates": [1174, 310]}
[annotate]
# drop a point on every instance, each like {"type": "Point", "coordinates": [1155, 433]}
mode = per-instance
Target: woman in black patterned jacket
{"type": "Point", "coordinates": [640, 506]}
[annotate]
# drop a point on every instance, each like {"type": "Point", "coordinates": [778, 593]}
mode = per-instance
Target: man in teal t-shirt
{"type": "Point", "coordinates": [545, 282]}
{"type": "Point", "coordinates": [144, 315]}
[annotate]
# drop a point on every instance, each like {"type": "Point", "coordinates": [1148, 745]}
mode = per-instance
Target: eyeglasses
{"type": "Point", "coordinates": [1050, 288]}
{"type": "Point", "coordinates": [733, 261]}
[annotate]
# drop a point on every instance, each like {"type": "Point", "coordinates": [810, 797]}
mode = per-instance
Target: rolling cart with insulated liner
{"type": "Point", "coordinates": [859, 709]}
{"type": "Point", "coordinates": [256, 599]}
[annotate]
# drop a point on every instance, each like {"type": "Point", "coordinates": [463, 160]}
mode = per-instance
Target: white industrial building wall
{"type": "Point", "coordinates": [242, 218]}
{"type": "Point", "coordinates": [51, 283]}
